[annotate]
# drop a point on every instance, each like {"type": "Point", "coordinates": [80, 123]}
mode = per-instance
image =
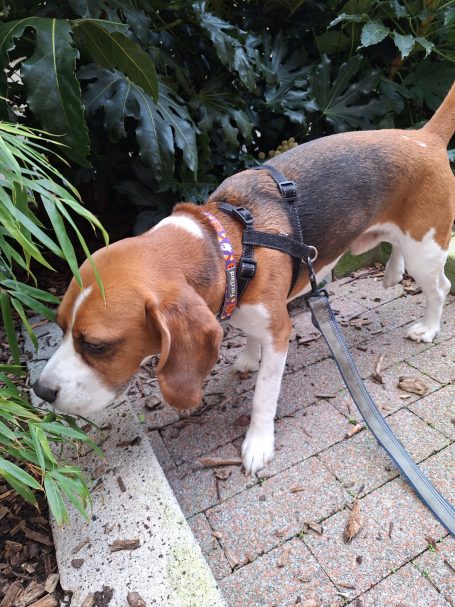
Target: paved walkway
{"type": "Point", "coordinates": [277, 540]}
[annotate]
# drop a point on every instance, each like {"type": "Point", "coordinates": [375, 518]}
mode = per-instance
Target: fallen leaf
{"type": "Point", "coordinates": [354, 524]}
{"type": "Point", "coordinates": [217, 534]}
{"type": "Point", "coordinates": [310, 603]}
{"type": "Point", "coordinates": [377, 378]}
{"type": "Point", "coordinates": [232, 559]}
{"type": "Point", "coordinates": [354, 430]}
{"type": "Point", "coordinates": [413, 385]}
{"type": "Point", "coordinates": [242, 420]}
{"type": "Point", "coordinates": [152, 402]}
{"type": "Point", "coordinates": [125, 545]}
{"type": "Point", "coordinates": [222, 475]}
{"type": "Point", "coordinates": [121, 484]}
{"type": "Point", "coordinates": [283, 559]}
{"type": "Point", "coordinates": [77, 563]}
{"type": "Point", "coordinates": [297, 488]}
{"type": "Point", "coordinates": [81, 545]}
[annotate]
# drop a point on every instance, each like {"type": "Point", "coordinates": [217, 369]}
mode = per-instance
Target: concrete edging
{"type": "Point", "coordinates": [131, 500]}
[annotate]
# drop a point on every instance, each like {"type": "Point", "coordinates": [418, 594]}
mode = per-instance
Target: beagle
{"type": "Point", "coordinates": [164, 288]}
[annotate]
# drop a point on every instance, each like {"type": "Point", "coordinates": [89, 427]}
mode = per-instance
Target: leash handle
{"type": "Point", "coordinates": [324, 320]}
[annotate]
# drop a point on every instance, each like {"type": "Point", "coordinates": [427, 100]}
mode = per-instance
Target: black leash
{"type": "Point", "coordinates": [325, 321]}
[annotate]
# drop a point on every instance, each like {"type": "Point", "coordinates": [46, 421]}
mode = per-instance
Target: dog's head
{"type": "Point", "coordinates": [147, 309]}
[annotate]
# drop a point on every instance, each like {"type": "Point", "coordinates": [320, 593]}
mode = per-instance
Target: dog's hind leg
{"type": "Point", "coordinates": [394, 268]}
{"type": "Point", "coordinates": [425, 262]}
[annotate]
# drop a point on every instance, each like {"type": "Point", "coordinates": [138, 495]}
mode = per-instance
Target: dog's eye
{"type": "Point", "coordinates": [94, 348]}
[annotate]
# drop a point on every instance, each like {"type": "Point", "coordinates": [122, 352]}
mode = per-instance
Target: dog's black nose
{"type": "Point", "coordinates": [45, 392]}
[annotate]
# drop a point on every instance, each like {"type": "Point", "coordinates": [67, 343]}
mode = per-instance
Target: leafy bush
{"type": "Point", "coordinates": [161, 100]}
{"type": "Point", "coordinates": [28, 183]}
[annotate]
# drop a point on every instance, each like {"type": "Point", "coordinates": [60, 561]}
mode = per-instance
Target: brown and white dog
{"type": "Point", "coordinates": [164, 288]}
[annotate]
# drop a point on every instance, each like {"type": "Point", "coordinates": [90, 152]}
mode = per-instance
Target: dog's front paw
{"type": "Point", "coordinates": [245, 362]}
{"type": "Point", "coordinates": [420, 332]}
{"type": "Point", "coordinates": [257, 450]}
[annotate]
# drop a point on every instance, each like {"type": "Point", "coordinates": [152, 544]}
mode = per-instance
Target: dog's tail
{"type": "Point", "coordinates": [443, 121]}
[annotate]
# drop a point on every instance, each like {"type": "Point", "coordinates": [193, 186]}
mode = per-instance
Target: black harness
{"type": "Point", "coordinates": [324, 320]}
{"type": "Point", "coordinates": [295, 247]}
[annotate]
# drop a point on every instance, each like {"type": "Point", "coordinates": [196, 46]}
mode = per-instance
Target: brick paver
{"type": "Point", "coordinates": [263, 551]}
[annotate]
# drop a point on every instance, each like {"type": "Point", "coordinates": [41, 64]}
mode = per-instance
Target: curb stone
{"type": "Point", "coordinates": [168, 568]}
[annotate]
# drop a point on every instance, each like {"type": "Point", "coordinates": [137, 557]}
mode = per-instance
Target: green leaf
{"type": "Point", "coordinates": [32, 291]}
{"type": "Point", "coordinates": [8, 324]}
{"type": "Point", "coordinates": [160, 127]}
{"type": "Point", "coordinates": [54, 498]}
{"type": "Point", "coordinates": [234, 47]}
{"type": "Point", "coordinates": [115, 50]}
{"type": "Point", "coordinates": [20, 310]}
{"type": "Point", "coordinates": [286, 73]}
{"type": "Point", "coordinates": [36, 443]}
{"type": "Point", "coordinates": [86, 8]}
{"type": "Point", "coordinates": [18, 486]}
{"type": "Point", "coordinates": [33, 304]}
{"type": "Point", "coordinates": [346, 18]}
{"type": "Point", "coordinates": [344, 102]}
{"type": "Point", "coordinates": [53, 92]}
{"type": "Point", "coordinates": [18, 474]}
{"type": "Point", "coordinates": [373, 32]}
{"type": "Point", "coordinates": [429, 82]}
{"type": "Point", "coordinates": [427, 44]}
{"type": "Point", "coordinates": [449, 16]}
{"type": "Point", "coordinates": [400, 10]}
{"type": "Point", "coordinates": [405, 44]}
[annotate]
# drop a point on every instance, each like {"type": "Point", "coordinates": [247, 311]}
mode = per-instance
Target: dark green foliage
{"type": "Point", "coordinates": [180, 94]}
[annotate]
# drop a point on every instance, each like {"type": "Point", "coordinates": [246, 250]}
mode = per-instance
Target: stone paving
{"type": "Point", "coordinates": [277, 540]}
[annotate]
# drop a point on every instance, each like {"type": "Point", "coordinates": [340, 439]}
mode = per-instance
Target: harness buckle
{"type": "Point", "coordinates": [244, 216]}
{"type": "Point", "coordinates": [246, 268]}
{"type": "Point", "coordinates": [288, 189]}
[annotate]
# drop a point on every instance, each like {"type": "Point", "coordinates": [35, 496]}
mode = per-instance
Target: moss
{"type": "Point", "coordinates": [190, 578]}
{"type": "Point", "coordinates": [450, 265]}
{"type": "Point", "coordinates": [350, 263]}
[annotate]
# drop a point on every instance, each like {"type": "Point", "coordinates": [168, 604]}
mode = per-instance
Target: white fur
{"type": "Point", "coordinates": [258, 446]}
{"type": "Point", "coordinates": [80, 389]}
{"type": "Point", "coordinates": [424, 261]}
{"type": "Point", "coordinates": [323, 272]}
{"type": "Point", "coordinates": [183, 222]}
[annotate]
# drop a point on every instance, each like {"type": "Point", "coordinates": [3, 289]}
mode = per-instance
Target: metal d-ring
{"type": "Point", "coordinates": [313, 259]}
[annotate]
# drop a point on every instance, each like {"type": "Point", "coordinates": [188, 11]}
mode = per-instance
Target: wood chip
{"type": "Point", "coordinates": [362, 348]}
{"type": "Point", "coordinates": [222, 474]}
{"type": "Point", "coordinates": [413, 385]}
{"type": "Point", "coordinates": [11, 594]}
{"type": "Point", "coordinates": [37, 537]}
{"type": "Point", "coordinates": [354, 524]}
{"type": "Point", "coordinates": [125, 545]}
{"type": "Point", "coordinates": [232, 559]}
{"type": "Point", "coordinates": [378, 367]}
{"type": "Point", "coordinates": [77, 563]}
{"type": "Point", "coordinates": [217, 534]}
{"type": "Point", "coordinates": [99, 471]}
{"type": "Point", "coordinates": [89, 601]}
{"type": "Point", "coordinates": [153, 402]}
{"type": "Point", "coordinates": [51, 582]}
{"type": "Point", "coordinates": [214, 462]}
{"type": "Point", "coordinates": [310, 603]}
{"type": "Point", "coordinates": [311, 526]}
{"type": "Point", "coordinates": [127, 443]}
{"type": "Point", "coordinates": [46, 601]}
{"type": "Point", "coordinates": [281, 532]}
{"type": "Point", "coordinates": [32, 592]}
{"type": "Point", "coordinates": [354, 430]}
{"type": "Point", "coordinates": [405, 396]}
{"type": "Point", "coordinates": [283, 559]}
{"type": "Point", "coordinates": [121, 484]}
{"type": "Point", "coordinates": [325, 395]}
{"type": "Point", "coordinates": [135, 600]}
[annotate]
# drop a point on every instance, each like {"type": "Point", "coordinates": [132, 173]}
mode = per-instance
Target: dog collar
{"type": "Point", "coordinates": [230, 293]}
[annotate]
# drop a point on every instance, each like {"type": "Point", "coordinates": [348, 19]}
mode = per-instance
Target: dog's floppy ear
{"type": "Point", "coordinates": [190, 341]}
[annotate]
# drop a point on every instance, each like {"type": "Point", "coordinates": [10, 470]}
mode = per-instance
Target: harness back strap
{"type": "Point", "coordinates": [325, 321]}
{"type": "Point", "coordinates": [289, 192]}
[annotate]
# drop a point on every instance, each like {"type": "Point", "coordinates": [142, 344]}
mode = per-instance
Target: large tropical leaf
{"type": "Point", "coordinates": [286, 75]}
{"type": "Point", "coordinates": [160, 127]}
{"type": "Point", "coordinates": [112, 49]}
{"type": "Point", "coordinates": [53, 92]}
{"type": "Point", "coordinates": [346, 102]}
{"type": "Point", "coordinates": [234, 47]}
{"type": "Point", "coordinates": [217, 105]}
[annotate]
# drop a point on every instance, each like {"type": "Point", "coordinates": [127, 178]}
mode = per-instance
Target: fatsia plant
{"type": "Point", "coordinates": [29, 185]}
{"type": "Point", "coordinates": [189, 92]}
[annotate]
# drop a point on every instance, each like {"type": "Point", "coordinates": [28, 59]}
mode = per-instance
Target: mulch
{"type": "Point", "coordinates": [28, 567]}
